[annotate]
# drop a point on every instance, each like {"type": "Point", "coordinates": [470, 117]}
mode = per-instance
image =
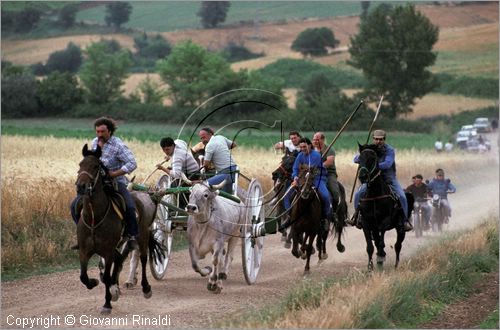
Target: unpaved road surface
{"type": "Point", "coordinates": [182, 297]}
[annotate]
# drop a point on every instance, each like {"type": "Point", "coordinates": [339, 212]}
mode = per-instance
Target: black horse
{"type": "Point", "coordinates": [379, 208]}
{"type": "Point", "coordinates": [99, 228]}
{"type": "Point", "coordinates": [282, 178]}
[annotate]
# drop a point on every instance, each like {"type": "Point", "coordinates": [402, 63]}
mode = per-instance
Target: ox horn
{"type": "Point", "coordinates": [218, 186]}
{"type": "Point", "coordinates": [185, 179]}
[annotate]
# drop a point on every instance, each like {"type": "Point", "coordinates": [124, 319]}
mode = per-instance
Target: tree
{"type": "Point", "coordinates": [213, 12]}
{"type": "Point", "coordinates": [316, 86]}
{"type": "Point", "coordinates": [151, 91]}
{"type": "Point", "coordinates": [152, 47]}
{"type": "Point", "coordinates": [314, 41]}
{"type": "Point", "coordinates": [57, 93]}
{"type": "Point", "coordinates": [67, 15]}
{"type": "Point", "coordinates": [365, 5]}
{"type": "Point", "coordinates": [27, 19]}
{"type": "Point", "coordinates": [18, 94]}
{"type": "Point", "coordinates": [393, 49]}
{"type": "Point", "coordinates": [103, 73]}
{"type": "Point", "coordinates": [117, 13]}
{"type": "Point", "coordinates": [68, 60]}
{"type": "Point", "coordinates": [193, 74]}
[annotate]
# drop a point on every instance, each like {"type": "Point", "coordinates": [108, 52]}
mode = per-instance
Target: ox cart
{"type": "Point", "coordinates": [171, 217]}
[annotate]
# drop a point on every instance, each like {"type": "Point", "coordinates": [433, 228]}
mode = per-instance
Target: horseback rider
{"type": "Point", "coordinates": [387, 165]}
{"type": "Point", "coordinates": [441, 186]}
{"type": "Point", "coordinates": [420, 191]}
{"type": "Point", "coordinates": [119, 160]}
{"type": "Point", "coordinates": [292, 145]}
{"type": "Point", "coordinates": [218, 154]}
{"type": "Point", "coordinates": [310, 157]}
{"type": "Point", "coordinates": [182, 159]}
{"type": "Point", "coordinates": [319, 144]}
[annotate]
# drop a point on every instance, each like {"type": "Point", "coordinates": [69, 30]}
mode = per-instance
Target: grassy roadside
{"type": "Point", "coordinates": [442, 273]}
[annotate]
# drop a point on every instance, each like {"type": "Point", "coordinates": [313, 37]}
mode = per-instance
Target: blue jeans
{"type": "Point", "coordinates": [129, 215]}
{"type": "Point", "coordinates": [227, 174]}
{"type": "Point", "coordinates": [394, 185]}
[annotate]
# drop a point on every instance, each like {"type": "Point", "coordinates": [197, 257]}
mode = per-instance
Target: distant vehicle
{"type": "Point", "coordinates": [482, 125]}
{"type": "Point", "coordinates": [472, 145]}
{"type": "Point", "coordinates": [473, 131]}
{"type": "Point", "coordinates": [462, 138]}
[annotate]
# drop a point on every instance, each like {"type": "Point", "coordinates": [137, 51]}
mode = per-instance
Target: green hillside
{"type": "Point", "coordinates": [173, 15]}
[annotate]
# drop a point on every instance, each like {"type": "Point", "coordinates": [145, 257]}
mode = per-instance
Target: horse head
{"type": "Point", "coordinates": [284, 171]}
{"type": "Point", "coordinates": [368, 162]}
{"type": "Point", "coordinates": [89, 172]}
{"type": "Point", "coordinates": [306, 179]}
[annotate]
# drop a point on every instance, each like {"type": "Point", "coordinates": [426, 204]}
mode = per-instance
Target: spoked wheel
{"type": "Point", "coordinates": [162, 233]}
{"type": "Point", "coordinates": [251, 248]}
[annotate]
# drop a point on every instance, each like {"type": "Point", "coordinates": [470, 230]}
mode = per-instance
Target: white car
{"type": "Point", "coordinates": [482, 124]}
{"type": "Point", "coordinates": [462, 138]}
{"type": "Point", "coordinates": [473, 131]}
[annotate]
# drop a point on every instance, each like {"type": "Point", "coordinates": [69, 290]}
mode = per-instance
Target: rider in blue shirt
{"type": "Point", "coordinates": [442, 187]}
{"type": "Point", "coordinates": [387, 165]}
{"type": "Point", "coordinates": [312, 158]}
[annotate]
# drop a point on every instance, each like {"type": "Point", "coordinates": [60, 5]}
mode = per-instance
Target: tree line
{"type": "Point", "coordinates": [393, 50]}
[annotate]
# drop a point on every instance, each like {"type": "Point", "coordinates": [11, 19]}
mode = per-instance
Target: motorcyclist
{"type": "Point", "coordinates": [420, 191]}
{"type": "Point", "coordinates": [441, 186]}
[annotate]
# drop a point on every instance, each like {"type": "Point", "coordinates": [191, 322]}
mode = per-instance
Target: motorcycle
{"type": "Point", "coordinates": [419, 223]}
{"type": "Point", "coordinates": [439, 215]}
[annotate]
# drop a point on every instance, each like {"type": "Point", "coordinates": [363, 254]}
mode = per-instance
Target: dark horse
{"type": "Point", "coordinates": [99, 229]}
{"type": "Point", "coordinates": [379, 209]}
{"type": "Point", "coordinates": [306, 217]}
{"type": "Point", "coordinates": [282, 178]}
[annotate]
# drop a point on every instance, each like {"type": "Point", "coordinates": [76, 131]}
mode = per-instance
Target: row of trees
{"type": "Point", "coordinates": [393, 49]}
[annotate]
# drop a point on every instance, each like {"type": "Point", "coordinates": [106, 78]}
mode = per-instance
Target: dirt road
{"type": "Point", "coordinates": [182, 298]}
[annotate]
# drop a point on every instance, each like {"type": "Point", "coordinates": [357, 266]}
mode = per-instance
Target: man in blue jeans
{"type": "Point", "coordinates": [119, 160]}
{"type": "Point", "coordinates": [387, 165]}
{"type": "Point", "coordinates": [218, 154]}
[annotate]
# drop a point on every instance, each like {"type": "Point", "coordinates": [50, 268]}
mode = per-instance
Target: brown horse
{"type": "Point", "coordinates": [99, 229]}
{"type": "Point", "coordinates": [306, 217]}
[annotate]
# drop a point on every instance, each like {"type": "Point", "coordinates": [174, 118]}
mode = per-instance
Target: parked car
{"type": "Point", "coordinates": [462, 138]}
{"type": "Point", "coordinates": [482, 125]}
{"type": "Point", "coordinates": [473, 131]}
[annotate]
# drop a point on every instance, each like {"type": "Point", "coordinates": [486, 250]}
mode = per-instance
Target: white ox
{"type": "Point", "coordinates": [213, 220]}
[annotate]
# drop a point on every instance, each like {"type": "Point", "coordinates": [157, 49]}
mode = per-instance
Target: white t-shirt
{"type": "Point", "coordinates": [217, 151]}
{"type": "Point", "coordinates": [182, 160]}
{"type": "Point", "coordinates": [448, 146]}
{"type": "Point", "coordinates": [289, 145]}
{"type": "Point", "coordinates": [438, 145]}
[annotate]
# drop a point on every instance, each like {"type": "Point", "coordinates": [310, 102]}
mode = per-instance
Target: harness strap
{"type": "Point", "coordinates": [375, 198]}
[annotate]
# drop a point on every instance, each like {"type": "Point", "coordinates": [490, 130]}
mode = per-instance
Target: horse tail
{"type": "Point", "coordinates": [156, 249]}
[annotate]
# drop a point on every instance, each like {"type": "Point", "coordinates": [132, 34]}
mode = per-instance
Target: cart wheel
{"type": "Point", "coordinates": [161, 233]}
{"type": "Point", "coordinates": [251, 248]}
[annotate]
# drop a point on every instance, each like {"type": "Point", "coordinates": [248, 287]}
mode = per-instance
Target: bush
{"type": "Point", "coordinates": [18, 95]}
{"type": "Point", "coordinates": [155, 47]}
{"type": "Point", "coordinates": [467, 86]}
{"type": "Point", "coordinates": [316, 86]}
{"type": "Point", "coordinates": [234, 52]}
{"type": "Point", "coordinates": [296, 72]}
{"type": "Point", "coordinates": [67, 15]}
{"type": "Point", "coordinates": [314, 41]}
{"type": "Point", "coordinates": [68, 60]}
{"type": "Point", "coordinates": [58, 93]}
{"type": "Point", "coordinates": [27, 19]}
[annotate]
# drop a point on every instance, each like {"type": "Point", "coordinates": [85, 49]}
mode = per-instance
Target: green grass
{"type": "Point", "coordinates": [153, 132]}
{"type": "Point", "coordinates": [163, 16]}
{"type": "Point", "coordinates": [483, 64]}
{"type": "Point", "coordinates": [491, 322]}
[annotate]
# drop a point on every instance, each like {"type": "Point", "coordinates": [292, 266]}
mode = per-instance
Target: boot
{"type": "Point", "coordinates": [407, 226]}
{"type": "Point", "coordinates": [132, 243]}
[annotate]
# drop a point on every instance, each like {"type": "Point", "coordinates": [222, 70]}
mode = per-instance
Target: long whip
{"type": "Point", "coordinates": [163, 162]}
{"type": "Point", "coordinates": [367, 140]}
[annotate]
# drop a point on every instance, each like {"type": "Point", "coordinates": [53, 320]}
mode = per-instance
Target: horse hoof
{"type": "Point", "coordinates": [211, 287]}
{"type": "Point", "coordinates": [288, 245]}
{"type": "Point", "coordinates": [222, 276]}
{"type": "Point", "coordinates": [295, 254]}
{"type": "Point", "coordinates": [115, 292]}
{"type": "Point", "coordinates": [148, 294]}
{"type": "Point", "coordinates": [341, 248]}
{"type": "Point", "coordinates": [217, 289]}
{"type": "Point", "coordinates": [105, 310]}
{"type": "Point", "coordinates": [205, 271]}
{"type": "Point", "coordinates": [303, 255]}
{"type": "Point", "coordinates": [92, 283]}
{"type": "Point", "coordinates": [129, 285]}
{"type": "Point", "coordinates": [380, 260]}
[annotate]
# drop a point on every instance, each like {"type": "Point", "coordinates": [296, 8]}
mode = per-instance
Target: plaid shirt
{"type": "Point", "coordinates": [116, 155]}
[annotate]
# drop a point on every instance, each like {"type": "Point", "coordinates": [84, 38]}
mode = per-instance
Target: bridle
{"type": "Point", "coordinates": [363, 169]}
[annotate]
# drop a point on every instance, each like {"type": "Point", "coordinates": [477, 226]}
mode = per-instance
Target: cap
{"type": "Point", "coordinates": [379, 134]}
